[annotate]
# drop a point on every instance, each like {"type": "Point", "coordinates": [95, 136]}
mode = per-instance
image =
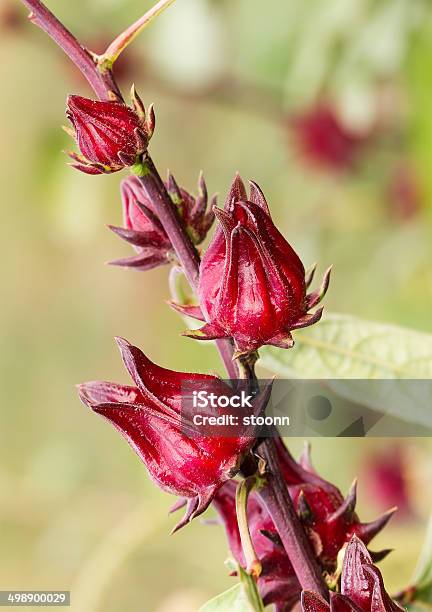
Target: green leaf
{"type": "Point", "coordinates": [342, 346]}
{"type": "Point", "coordinates": [346, 347]}
{"type": "Point", "coordinates": [242, 597]}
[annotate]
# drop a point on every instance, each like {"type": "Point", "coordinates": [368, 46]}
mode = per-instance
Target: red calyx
{"type": "Point", "coordinates": [329, 520]}
{"type": "Point", "coordinates": [110, 135]}
{"type": "Point", "coordinates": [324, 141]}
{"type": "Point", "coordinates": [362, 586]}
{"type": "Point", "coordinates": [252, 283]}
{"type": "Point", "coordinates": [149, 416]}
{"type": "Point", "coordinates": [144, 231]}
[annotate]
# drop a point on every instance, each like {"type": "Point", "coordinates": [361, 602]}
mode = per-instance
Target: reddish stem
{"type": "Point", "coordinates": [103, 84]}
{"type": "Point", "coordinates": [278, 502]}
{"type": "Point", "coordinates": [185, 250]}
{"type": "Point", "coordinates": [167, 215]}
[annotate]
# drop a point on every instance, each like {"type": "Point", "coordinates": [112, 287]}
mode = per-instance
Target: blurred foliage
{"type": "Point", "coordinates": [77, 510]}
{"type": "Point", "coordinates": [423, 574]}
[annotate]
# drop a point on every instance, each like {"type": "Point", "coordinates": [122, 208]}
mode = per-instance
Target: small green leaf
{"type": "Point", "coordinates": [345, 347]}
{"type": "Point", "coordinates": [242, 597]}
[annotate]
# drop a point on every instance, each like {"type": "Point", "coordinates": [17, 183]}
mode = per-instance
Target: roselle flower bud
{"type": "Point", "coordinates": [252, 283]}
{"type": "Point", "coordinates": [387, 478]}
{"type": "Point", "coordinates": [362, 586]}
{"type": "Point", "coordinates": [329, 519]}
{"type": "Point", "coordinates": [324, 141]}
{"type": "Point", "coordinates": [110, 135]}
{"type": "Point", "coordinates": [148, 415]}
{"type": "Point", "coordinates": [143, 229]}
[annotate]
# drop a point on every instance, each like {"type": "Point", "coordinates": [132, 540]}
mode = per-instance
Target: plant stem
{"type": "Point", "coordinates": [182, 244]}
{"type": "Point", "coordinates": [125, 38]}
{"type": "Point", "coordinates": [103, 84]}
{"type": "Point", "coordinates": [277, 500]}
{"type": "Point", "coordinates": [167, 215]}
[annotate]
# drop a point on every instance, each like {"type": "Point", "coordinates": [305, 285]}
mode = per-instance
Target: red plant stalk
{"type": "Point", "coordinates": [275, 494]}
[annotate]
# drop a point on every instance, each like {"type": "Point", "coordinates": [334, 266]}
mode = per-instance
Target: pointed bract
{"type": "Point", "coordinates": [367, 531]}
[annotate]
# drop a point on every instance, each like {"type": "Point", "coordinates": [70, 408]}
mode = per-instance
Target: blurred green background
{"type": "Point", "coordinates": [228, 79]}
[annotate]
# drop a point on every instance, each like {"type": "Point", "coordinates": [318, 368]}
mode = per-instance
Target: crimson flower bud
{"type": "Point", "coordinates": [329, 519]}
{"type": "Point", "coordinates": [149, 414]}
{"type": "Point", "coordinates": [386, 473]}
{"type": "Point", "coordinates": [110, 135]}
{"type": "Point", "coordinates": [362, 586]}
{"type": "Point", "coordinates": [252, 283]}
{"type": "Point", "coordinates": [143, 229]}
{"type": "Point", "coordinates": [324, 141]}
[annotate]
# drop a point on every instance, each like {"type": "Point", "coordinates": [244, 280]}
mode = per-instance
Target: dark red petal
{"type": "Point", "coordinates": [355, 583]}
{"type": "Point", "coordinates": [340, 603]}
{"type": "Point", "coordinates": [237, 191]}
{"type": "Point", "coordinates": [315, 298]}
{"type": "Point", "coordinates": [311, 602]}
{"type": "Point", "coordinates": [136, 238]}
{"type": "Point", "coordinates": [380, 601]}
{"type": "Point", "coordinates": [257, 197]}
{"type": "Point", "coordinates": [307, 319]}
{"type": "Point", "coordinates": [283, 340]}
{"type": "Point", "coordinates": [161, 384]}
{"type": "Point", "coordinates": [106, 132]}
{"type": "Point", "coordinates": [102, 392]}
